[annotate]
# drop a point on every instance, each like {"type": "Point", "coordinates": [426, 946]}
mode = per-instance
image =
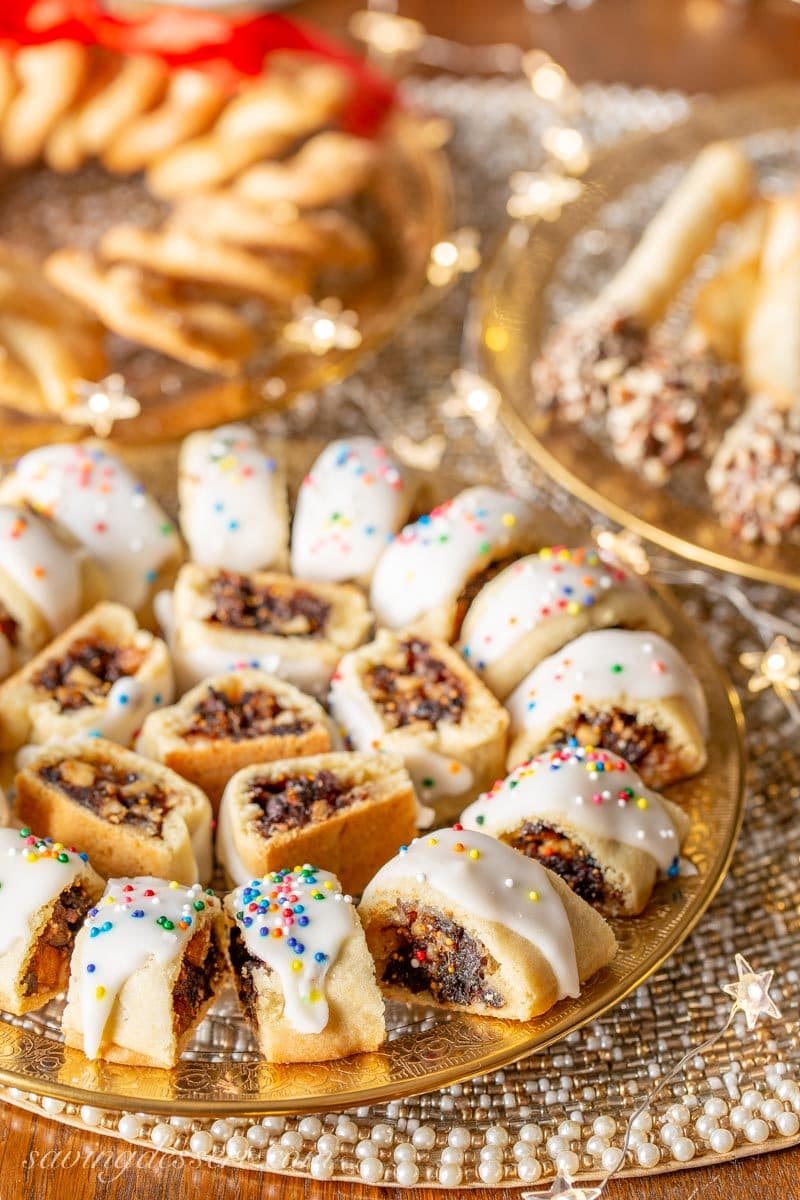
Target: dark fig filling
{"type": "Point", "coordinates": [560, 854]}
{"type": "Point", "coordinates": [474, 585]}
{"type": "Point", "coordinates": [617, 731]}
{"type": "Point", "coordinates": [201, 969]}
{"type": "Point", "coordinates": [300, 801]}
{"type": "Point", "coordinates": [434, 954]}
{"type": "Point", "coordinates": [279, 608]}
{"type": "Point", "coordinates": [415, 688]}
{"type": "Point", "coordinates": [118, 796]}
{"type": "Point", "coordinates": [48, 967]}
{"type": "Point", "coordinates": [244, 965]}
{"type": "Point", "coordinates": [9, 628]}
{"type": "Point", "coordinates": [87, 671]}
{"type": "Point", "coordinates": [243, 716]}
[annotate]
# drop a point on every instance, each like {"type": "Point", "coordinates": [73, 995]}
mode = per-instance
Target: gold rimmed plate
{"type": "Point", "coordinates": [542, 272]}
{"type": "Point", "coordinates": [221, 1074]}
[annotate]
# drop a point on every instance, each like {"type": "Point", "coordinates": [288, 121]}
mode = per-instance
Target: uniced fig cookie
{"type": "Point", "coordinates": [230, 721]}
{"type": "Point", "coordinates": [629, 692]}
{"type": "Point", "coordinates": [146, 967]}
{"type": "Point", "coordinates": [462, 921]}
{"type": "Point", "coordinates": [405, 695]}
{"type": "Point", "coordinates": [305, 978]}
{"type": "Point", "coordinates": [587, 816]}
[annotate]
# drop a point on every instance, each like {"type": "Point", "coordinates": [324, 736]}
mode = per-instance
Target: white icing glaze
{"type": "Point", "coordinates": [349, 505]}
{"type": "Point", "coordinates": [529, 905]}
{"type": "Point", "coordinates": [555, 582]}
{"type": "Point", "coordinates": [232, 508]}
{"type": "Point", "coordinates": [116, 942]}
{"type": "Point", "coordinates": [31, 875]}
{"type": "Point", "coordinates": [434, 775]}
{"type": "Point", "coordinates": [593, 789]}
{"type": "Point", "coordinates": [607, 666]}
{"type": "Point", "coordinates": [106, 509]}
{"type": "Point", "coordinates": [301, 940]}
{"type": "Point", "coordinates": [429, 562]}
{"type": "Point", "coordinates": [42, 567]}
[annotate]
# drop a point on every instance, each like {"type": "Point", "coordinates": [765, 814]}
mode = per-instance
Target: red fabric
{"type": "Point", "coordinates": [228, 46]}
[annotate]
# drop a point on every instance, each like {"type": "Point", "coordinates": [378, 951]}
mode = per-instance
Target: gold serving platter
{"type": "Point", "coordinates": [406, 209]}
{"type": "Point", "coordinates": [221, 1074]}
{"type": "Point", "coordinates": [542, 271]}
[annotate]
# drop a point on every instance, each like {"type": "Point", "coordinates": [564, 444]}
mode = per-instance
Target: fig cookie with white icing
{"type": "Point", "coordinates": [147, 966]}
{"type": "Point", "coordinates": [350, 504]}
{"type": "Point", "coordinates": [629, 692]}
{"type": "Point", "coordinates": [304, 975]}
{"type": "Point", "coordinates": [133, 816]}
{"type": "Point", "coordinates": [417, 698]}
{"type": "Point", "coordinates": [586, 815]}
{"type": "Point", "coordinates": [222, 621]}
{"type": "Point", "coordinates": [92, 496]}
{"type": "Point", "coordinates": [230, 721]}
{"type": "Point", "coordinates": [541, 602]}
{"type": "Point", "coordinates": [100, 678]}
{"type": "Point", "coordinates": [233, 507]}
{"type": "Point", "coordinates": [426, 578]}
{"type": "Point", "coordinates": [46, 891]}
{"type": "Point", "coordinates": [462, 921]}
{"type": "Point", "coordinates": [45, 585]}
{"type": "Point", "coordinates": [348, 812]}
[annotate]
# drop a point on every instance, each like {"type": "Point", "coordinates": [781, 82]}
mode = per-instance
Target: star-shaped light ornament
{"type": "Point", "coordinates": [777, 667]}
{"type": "Point", "coordinates": [100, 405]}
{"type": "Point", "coordinates": [540, 195]}
{"type": "Point", "coordinates": [472, 396]}
{"type": "Point", "coordinates": [750, 993]}
{"type": "Point", "coordinates": [323, 327]}
{"type": "Point", "coordinates": [625, 547]}
{"type": "Point", "coordinates": [457, 255]}
{"type": "Point", "coordinates": [563, 1188]}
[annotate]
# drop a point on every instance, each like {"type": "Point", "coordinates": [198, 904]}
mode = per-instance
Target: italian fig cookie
{"type": "Point", "coordinates": [587, 816]}
{"type": "Point", "coordinates": [350, 504]}
{"type": "Point", "coordinates": [424, 581]}
{"type": "Point", "coordinates": [46, 891]}
{"type": "Point", "coordinates": [462, 921]}
{"type": "Point", "coordinates": [233, 510]}
{"type": "Point", "coordinates": [541, 602]}
{"type": "Point", "coordinates": [303, 972]}
{"type": "Point", "coordinates": [102, 505]}
{"type": "Point", "coordinates": [146, 967]}
{"type": "Point", "coordinates": [404, 695]}
{"type": "Point", "coordinates": [629, 692]}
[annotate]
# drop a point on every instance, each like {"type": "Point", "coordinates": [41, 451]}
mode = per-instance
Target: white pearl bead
{"type": "Point", "coordinates": [529, 1170]}
{"type": "Point", "coordinates": [328, 1143]}
{"type": "Point", "coordinates": [648, 1154]}
{"type": "Point", "coordinates": [322, 1166]}
{"type": "Point", "coordinates": [682, 1149]}
{"type": "Point", "coordinates": [491, 1152]}
{"type": "Point", "coordinates": [532, 1134]}
{"type": "Point", "coordinates": [450, 1174]}
{"type": "Point", "coordinates": [382, 1135]}
{"type": "Point", "coordinates": [522, 1150]}
{"type": "Point", "coordinates": [756, 1130]}
{"type": "Point", "coordinates": [278, 1157]}
{"type": "Point", "coordinates": [365, 1149]}
{"type": "Point", "coordinates": [452, 1155]}
{"type": "Point", "coordinates": [274, 1124]}
{"type": "Point", "coordinates": [597, 1146]}
{"type": "Point", "coordinates": [705, 1125]}
{"type": "Point", "coordinates": [490, 1171]}
{"type": "Point", "coordinates": [130, 1126]}
{"type": "Point", "coordinates": [201, 1142]}
{"type": "Point", "coordinates": [424, 1138]}
{"type": "Point", "coordinates": [404, 1152]}
{"type": "Point", "coordinates": [678, 1113]}
{"type": "Point", "coordinates": [496, 1135]}
{"type": "Point", "coordinates": [715, 1107]}
{"type": "Point", "coordinates": [371, 1170]}
{"type": "Point", "coordinates": [347, 1130]}
{"type": "Point", "coordinates": [90, 1115]}
{"type": "Point", "coordinates": [604, 1126]}
{"type": "Point", "coordinates": [567, 1162]}
{"type": "Point", "coordinates": [611, 1158]}
{"type": "Point", "coordinates": [221, 1130]}
{"type": "Point", "coordinates": [310, 1127]}
{"type": "Point", "coordinates": [739, 1116]}
{"type": "Point", "coordinates": [787, 1123]}
{"type": "Point", "coordinates": [407, 1174]}
{"type": "Point", "coordinates": [670, 1132]}
{"type": "Point", "coordinates": [292, 1139]}
{"type": "Point", "coordinates": [460, 1137]}
{"type": "Point", "coordinates": [752, 1099]}
{"type": "Point", "coordinates": [237, 1147]}
{"type": "Point", "coordinates": [556, 1144]}
{"type": "Point", "coordinates": [162, 1135]}
{"type": "Point", "coordinates": [721, 1141]}
{"type": "Point", "coordinates": [257, 1136]}
{"type": "Point", "coordinates": [53, 1106]}
{"type": "Point", "coordinates": [787, 1089]}
{"type": "Point", "coordinates": [771, 1109]}
{"type": "Point", "coordinates": [569, 1129]}
{"type": "Point", "coordinates": [643, 1122]}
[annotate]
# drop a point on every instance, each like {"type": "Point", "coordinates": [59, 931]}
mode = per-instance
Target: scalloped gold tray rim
{"type": "Point", "coordinates": [726, 749]}
{"type": "Point", "coordinates": [563, 451]}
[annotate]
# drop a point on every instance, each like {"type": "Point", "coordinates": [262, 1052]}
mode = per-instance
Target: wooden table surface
{"type": "Point", "coordinates": [698, 45]}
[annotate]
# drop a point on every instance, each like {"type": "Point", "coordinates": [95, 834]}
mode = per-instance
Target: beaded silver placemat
{"type": "Point", "coordinates": [566, 1109]}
